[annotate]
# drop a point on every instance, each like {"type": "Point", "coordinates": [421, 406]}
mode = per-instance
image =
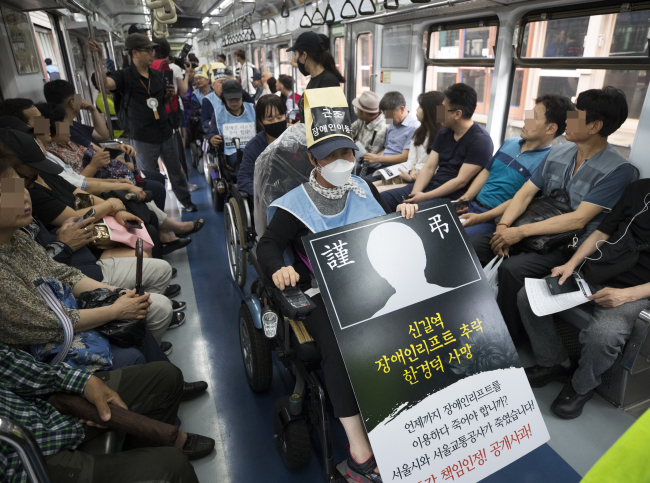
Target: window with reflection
{"type": "Point", "coordinates": [364, 63]}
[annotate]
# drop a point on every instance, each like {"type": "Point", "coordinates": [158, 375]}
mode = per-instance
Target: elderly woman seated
{"type": "Point", "coordinates": [331, 198]}
{"type": "Point", "coordinates": [27, 318]}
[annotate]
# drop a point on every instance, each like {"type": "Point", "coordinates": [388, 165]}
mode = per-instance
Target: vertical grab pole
{"type": "Point", "coordinates": [99, 77]}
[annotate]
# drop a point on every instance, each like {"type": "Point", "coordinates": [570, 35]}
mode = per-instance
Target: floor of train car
{"type": "Point", "coordinates": [207, 348]}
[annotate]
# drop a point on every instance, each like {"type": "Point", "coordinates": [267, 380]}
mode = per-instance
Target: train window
{"type": "Point", "coordinates": [396, 47]}
{"type": "Point", "coordinates": [339, 54]}
{"type": "Point", "coordinates": [364, 63]}
{"type": "Point", "coordinates": [570, 55]}
{"type": "Point", "coordinates": [462, 53]}
{"type": "Point", "coordinates": [286, 69]}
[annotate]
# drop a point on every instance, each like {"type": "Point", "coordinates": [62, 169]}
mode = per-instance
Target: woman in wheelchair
{"type": "Point", "coordinates": [271, 114]}
{"type": "Point", "coordinates": [233, 110]}
{"type": "Point", "coordinates": [331, 198]}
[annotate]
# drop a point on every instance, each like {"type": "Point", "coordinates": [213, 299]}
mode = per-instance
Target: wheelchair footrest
{"type": "Point", "coordinates": [301, 331]}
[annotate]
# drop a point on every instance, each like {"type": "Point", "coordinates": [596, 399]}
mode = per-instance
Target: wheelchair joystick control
{"type": "Point", "coordinates": [295, 404]}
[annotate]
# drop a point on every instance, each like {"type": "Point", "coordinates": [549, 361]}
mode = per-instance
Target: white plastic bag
{"type": "Point", "coordinates": [491, 274]}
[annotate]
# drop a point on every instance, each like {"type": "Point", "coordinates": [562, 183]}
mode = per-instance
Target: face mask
{"type": "Point", "coordinates": [338, 172]}
{"type": "Point", "coordinates": [276, 129]}
{"type": "Point", "coordinates": [302, 69]}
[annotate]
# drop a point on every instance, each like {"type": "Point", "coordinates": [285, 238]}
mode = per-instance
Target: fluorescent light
{"type": "Point", "coordinates": [206, 20]}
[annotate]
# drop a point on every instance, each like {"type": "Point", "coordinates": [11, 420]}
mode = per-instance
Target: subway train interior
{"type": "Point", "coordinates": [267, 409]}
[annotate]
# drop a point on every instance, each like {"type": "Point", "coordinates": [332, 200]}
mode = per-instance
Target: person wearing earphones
{"type": "Point", "coordinates": [616, 261]}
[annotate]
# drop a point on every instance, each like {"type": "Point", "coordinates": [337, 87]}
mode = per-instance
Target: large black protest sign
{"type": "Point", "coordinates": [433, 368]}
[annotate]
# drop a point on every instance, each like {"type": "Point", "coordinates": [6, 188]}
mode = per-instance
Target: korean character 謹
{"type": "Point", "coordinates": [414, 329]}
{"type": "Point", "coordinates": [383, 362]}
{"type": "Point", "coordinates": [410, 353]}
{"type": "Point", "coordinates": [410, 375]}
{"type": "Point", "coordinates": [398, 357]}
{"type": "Point", "coordinates": [426, 369]}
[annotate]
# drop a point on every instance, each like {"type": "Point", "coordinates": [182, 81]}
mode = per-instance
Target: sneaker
{"type": "Point", "coordinates": [166, 347]}
{"type": "Point", "coordinates": [569, 404]}
{"type": "Point", "coordinates": [192, 187]}
{"type": "Point", "coordinates": [190, 208]}
{"type": "Point", "coordinates": [178, 319]}
{"type": "Point", "coordinates": [362, 472]}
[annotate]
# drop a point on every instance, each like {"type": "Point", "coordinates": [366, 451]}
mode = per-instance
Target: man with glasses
{"type": "Point", "coordinates": [142, 109]}
{"type": "Point", "coordinates": [460, 150]}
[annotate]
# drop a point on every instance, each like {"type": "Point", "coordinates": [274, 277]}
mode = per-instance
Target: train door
{"type": "Point", "coordinates": [361, 75]}
{"type": "Point", "coordinates": [337, 48]}
{"type": "Point", "coordinates": [48, 45]}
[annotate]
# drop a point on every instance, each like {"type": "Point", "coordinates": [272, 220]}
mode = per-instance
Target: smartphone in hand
{"type": "Point", "coordinates": [132, 224]}
{"type": "Point", "coordinates": [89, 214]}
{"type": "Point", "coordinates": [168, 77]}
{"type": "Point", "coordinates": [569, 285]}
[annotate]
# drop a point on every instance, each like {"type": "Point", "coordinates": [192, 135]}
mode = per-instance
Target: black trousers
{"type": "Point", "coordinates": [339, 388]}
{"type": "Point", "coordinates": [512, 272]}
{"type": "Point", "coordinates": [153, 390]}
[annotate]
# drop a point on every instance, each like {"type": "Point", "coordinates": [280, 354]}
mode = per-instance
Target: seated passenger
{"type": "Point", "coordinates": [460, 150]}
{"type": "Point", "coordinates": [513, 164]}
{"type": "Point", "coordinates": [155, 389]}
{"type": "Point", "coordinates": [202, 88]}
{"type": "Point", "coordinates": [27, 317]}
{"type": "Point", "coordinates": [232, 110]}
{"type": "Point", "coordinates": [271, 112]}
{"type": "Point", "coordinates": [421, 142]}
{"type": "Point", "coordinates": [402, 126]}
{"type": "Point", "coordinates": [593, 175]}
{"type": "Point", "coordinates": [285, 84]}
{"type": "Point", "coordinates": [624, 288]}
{"type": "Point", "coordinates": [212, 100]}
{"type": "Point", "coordinates": [370, 128]}
{"type": "Point", "coordinates": [330, 199]}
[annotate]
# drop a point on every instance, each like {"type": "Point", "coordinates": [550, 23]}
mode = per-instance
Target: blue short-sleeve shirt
{"type": "Point", "coordinates": [398, 138]}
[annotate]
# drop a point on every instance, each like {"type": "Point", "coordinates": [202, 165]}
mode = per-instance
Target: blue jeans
{"type": "Point", "coordinates": [481, 228]}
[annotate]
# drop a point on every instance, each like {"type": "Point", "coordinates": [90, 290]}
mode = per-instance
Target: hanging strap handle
{"type": "Point", "coordinates": [330, 17]}
{"type": "Point", "coordinates": [284, 12]}
{"type": "Point", "coordinates": [305, 21]}
{"type": "Point", "coordinates": [347, 17]}
{"type": "Point", "coordinates": [68, 330]}
{"type": "Point", "coordinates": [369, 12]}
{"type": "Point", "coordinates": [391, 7]}
{"type": "Point", "coordinates": [315, 20]}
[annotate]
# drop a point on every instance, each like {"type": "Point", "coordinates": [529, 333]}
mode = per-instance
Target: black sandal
{"type": "Point", "coordinates": [362, 472]}
{"type": "Point", "coordinates": [198, 224]}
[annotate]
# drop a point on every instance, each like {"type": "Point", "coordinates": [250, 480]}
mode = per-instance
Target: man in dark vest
{"type": "Point", "coordinates": [592, 174]}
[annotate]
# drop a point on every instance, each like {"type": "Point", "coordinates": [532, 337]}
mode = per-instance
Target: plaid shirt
{"type": "Point", "coordinates": [22, 383]}
{"type": "Point", "coordinates": [364, 133]}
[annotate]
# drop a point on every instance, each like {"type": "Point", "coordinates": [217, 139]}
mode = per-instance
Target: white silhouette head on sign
{"type": "Point", "coordinates": [397, 253]}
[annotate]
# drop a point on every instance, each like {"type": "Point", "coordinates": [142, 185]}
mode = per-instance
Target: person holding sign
{"type": "Point", "coordinates": [232, 118]}
{"type": "Point", "coordinates": [333, 197]}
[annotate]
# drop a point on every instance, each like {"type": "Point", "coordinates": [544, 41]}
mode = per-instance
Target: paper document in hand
{"type": "Point", "coordinates": [394, 171]}
{"type": "Point", "coordinates": [361, 152]}
{"type": "Point", "coordinates": [543, 302]}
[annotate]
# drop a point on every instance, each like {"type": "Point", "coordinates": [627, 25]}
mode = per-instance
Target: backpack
{"type": "Point", "coordinates": [121, 102]}
{"type": "Point", "coordinates": [162, 65]}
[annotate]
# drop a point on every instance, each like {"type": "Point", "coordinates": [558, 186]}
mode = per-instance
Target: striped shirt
{"type": "Point", "coordinates": [23, 382]}
{"type": "Point", "coordinates": [371, 135]}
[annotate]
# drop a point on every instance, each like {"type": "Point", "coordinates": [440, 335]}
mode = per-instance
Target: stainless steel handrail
{"type": "Point", "coordinates": [27, 448]}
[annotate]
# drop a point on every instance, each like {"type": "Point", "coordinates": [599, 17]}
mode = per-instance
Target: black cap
{"type": "Point", "coordinates": [11, 122]}
{"type": "Point", "coordinates": [138, 41]}
{"type": "Point", "coordinates": [324, 148]}
{"type": "Point", "coordinates": [28, 151]}
{"type": "Point", "coordinates": [307, 42]}
{"type": "Point", "coordinates": [257, 75]}
{"type": "Point", "coordinates": [138, 28]}
{"type": "Point", "coordinates": [231, 89]}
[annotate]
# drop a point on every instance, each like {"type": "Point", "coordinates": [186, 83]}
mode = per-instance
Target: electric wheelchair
{"type": "Point", "coordinates": [271, 320]}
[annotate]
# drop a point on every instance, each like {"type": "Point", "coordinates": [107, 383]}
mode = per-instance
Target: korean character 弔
{"type": "Point", "coordinates": [426, 369]}
{"type": "Point", "coordinates": [465, 330]}
{"type": "Point", "coordinates": [383, 362]}
{"type": "Point", "coordinates": [454, 356]}
{"type": "Point", "coordinates": [422, 347]}
{"type": "Point", "coordinates": [476, 325]}
{"type": "Point", "coordinates": [447, 473]}
{"type": "Point", "coordinates": [411, 352]}
{"type": "Point", "coordinates": [466, 350]}
{"type": "Point", "coordinates": [409, 375]}
{"type": "Point", "coordinates": [435, 345]}
{"type": "Point", "coordinates": [437, 364]}
{"type": "Point", "coordinates": [448, 337]}
{"type": "Point", "coordinates": [397, 472]}
{"type": "Point", "coordinates": [458, 469]}
{"type": "Point", "coordinates": [414, 329]}
{"type": "Point", "coordinates": [398, 356]}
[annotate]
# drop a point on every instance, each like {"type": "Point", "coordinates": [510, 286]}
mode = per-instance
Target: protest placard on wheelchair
{"type": "Point", "coordinates": [436, 375]}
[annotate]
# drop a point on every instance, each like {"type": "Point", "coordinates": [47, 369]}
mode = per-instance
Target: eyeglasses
{"type": "Point", "coordinates": [148, 51]}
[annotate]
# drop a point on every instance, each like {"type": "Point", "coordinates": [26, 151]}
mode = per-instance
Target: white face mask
{"type": "Point", "coordinates": [338, 172]}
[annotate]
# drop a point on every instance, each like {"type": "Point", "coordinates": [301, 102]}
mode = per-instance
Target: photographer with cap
{"type": "Point", "coordinates": [313, 59]}
{"type": "Point", "coordinates": [142, 96]}
{"type": "Point", "coordinates": [332, 197]}
{"type": "Point", "coordinates": [232, 118]}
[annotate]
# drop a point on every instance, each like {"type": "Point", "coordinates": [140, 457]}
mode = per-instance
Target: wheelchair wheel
{"type": "Point", "coordinates": [241, 232]}
{"type": "Point", "coordinates": [234, 231]}
{"type": "Point", "coordinates": [196, 154]}
{"type": "Point", "coordinates": [255, 351]}
{"type": "Point", "coordinates": [207, 162]}
{"type": "Point", "coordinates": [293, 441]}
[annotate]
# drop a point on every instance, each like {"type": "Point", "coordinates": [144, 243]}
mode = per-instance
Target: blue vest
{"type": "Point", "coordinates": [212, 97]}
{"type": "Point", "coordinates": [199, 96]}
{"type": "Point", "coordinates": [299, 204]}
{"type": "Point", "coordinates": [242, 127]}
